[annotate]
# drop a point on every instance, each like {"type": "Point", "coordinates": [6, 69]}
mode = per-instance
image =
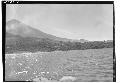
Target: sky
{"type": "Point", "coordinates": [73, 21]}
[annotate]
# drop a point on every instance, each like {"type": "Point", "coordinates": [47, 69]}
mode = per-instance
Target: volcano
{"type": "Point", "coordinates": [16, 27]}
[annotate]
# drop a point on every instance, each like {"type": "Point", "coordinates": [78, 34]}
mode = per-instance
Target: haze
{"type": "Point", "coordinates": [73, 21]}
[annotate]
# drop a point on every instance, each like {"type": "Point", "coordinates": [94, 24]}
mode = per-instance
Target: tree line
{"type": "Point", "coordinates": [46, 45]}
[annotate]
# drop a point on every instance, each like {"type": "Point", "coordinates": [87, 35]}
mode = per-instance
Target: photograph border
{"type": "Point", "coordinates": [52, 2]}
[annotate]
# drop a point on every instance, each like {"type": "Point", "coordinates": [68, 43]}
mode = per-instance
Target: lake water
{"type": "Point", "coordinates": [93, 65]}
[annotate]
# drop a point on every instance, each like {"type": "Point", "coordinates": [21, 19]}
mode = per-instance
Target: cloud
{"type": "Point", "coordinates": [11, 11]}
{"type": "Point", "coordinates": [68, 21]}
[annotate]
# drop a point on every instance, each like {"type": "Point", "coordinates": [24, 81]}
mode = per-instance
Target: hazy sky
{"type": "Point", "coordinates": [74, 21]}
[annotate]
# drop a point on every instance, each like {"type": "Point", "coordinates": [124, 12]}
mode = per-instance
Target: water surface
{"type": "Point", "coordinates": [91, 65]}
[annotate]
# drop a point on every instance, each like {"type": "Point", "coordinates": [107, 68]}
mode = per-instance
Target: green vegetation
{"type": "Point", "coordinates": [48, 45]}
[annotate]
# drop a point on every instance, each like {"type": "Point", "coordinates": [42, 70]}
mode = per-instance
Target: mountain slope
{"type": "Point", "coordinates": [15, 27]}
{"type": "Point", "coordinates": [21, 37]}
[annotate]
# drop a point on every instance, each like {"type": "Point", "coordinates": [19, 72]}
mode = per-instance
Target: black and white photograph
{"type": "Point", "coordinates": [61, 41]}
